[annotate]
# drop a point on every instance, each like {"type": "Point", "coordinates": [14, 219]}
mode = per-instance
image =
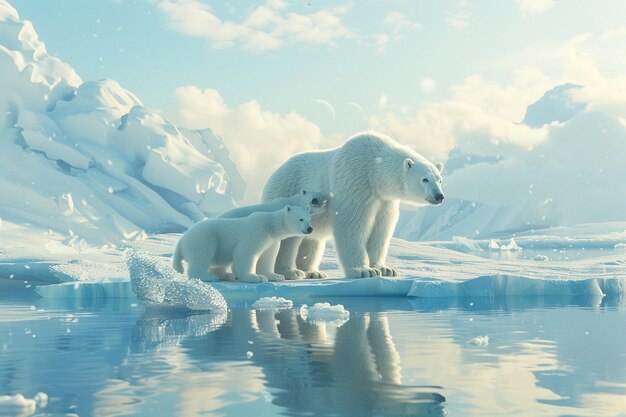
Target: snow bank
{"type": "Point", "coordinates": [272, 303]}
{"type": "Point", "coordinates": [325, 312]}
{"type": "Point", "coordinates": [19, 406]}
{"type": "Point", "coordinates": [156, 283]}
{"type": "Point", "coordinates": [87, 160]}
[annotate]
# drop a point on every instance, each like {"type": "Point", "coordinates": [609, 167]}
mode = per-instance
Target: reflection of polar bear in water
{"type": "Point", "coordinates": [366, 178]}
{"type": "Point", "coordinates": [356, 371]}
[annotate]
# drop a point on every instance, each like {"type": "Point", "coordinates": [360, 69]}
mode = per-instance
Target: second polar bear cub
{"type": "Point", "coordinates": [316, 201]}
{"type": "Point", "coordinates": [212, 245]}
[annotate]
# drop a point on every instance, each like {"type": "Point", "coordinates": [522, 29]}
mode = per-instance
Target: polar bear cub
{"type": "Point", "coordinates": [316, 201]}
{"type": "Point", "coordinates": [212, 245]}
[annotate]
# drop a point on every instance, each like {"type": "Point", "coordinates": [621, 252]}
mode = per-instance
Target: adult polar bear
{"type": "Point", "coordinates": [367, 178]}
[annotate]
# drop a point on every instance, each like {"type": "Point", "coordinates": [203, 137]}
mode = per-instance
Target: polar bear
{"type": "Point", "coordinates": [316, 201]}
{"type": "Point", "coordinates": [212, 245]}
{"type": "Point", "coordinates": [366, 178]}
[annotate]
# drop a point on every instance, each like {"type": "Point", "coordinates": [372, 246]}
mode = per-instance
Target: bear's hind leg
{"type": "Point", "coordinates": [309, 257]}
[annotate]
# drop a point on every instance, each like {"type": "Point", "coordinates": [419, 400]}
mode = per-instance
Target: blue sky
{"type": "Point", "coordinates": [137, 43]}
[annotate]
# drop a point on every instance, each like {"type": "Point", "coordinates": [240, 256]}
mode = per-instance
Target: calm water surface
{"type": "Point", "coordinates": [394, 357]}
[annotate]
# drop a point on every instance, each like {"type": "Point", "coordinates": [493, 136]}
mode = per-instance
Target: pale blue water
{"type": "Point", "coordinates": [394, 357]}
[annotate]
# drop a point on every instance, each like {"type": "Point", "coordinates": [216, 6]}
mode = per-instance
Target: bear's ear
{"type": "Point", "coordinates": [287, 209]}
{"type": "Point", "coordinates": [439, 167]}
{"type": "Point", "coordinates": [408, 163]}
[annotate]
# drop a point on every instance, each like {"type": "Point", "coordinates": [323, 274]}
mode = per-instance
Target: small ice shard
{"type": "Point", "coordinates": [541, 258]}
{"type": "Point", "coordinates": [493, 245]}
{"type": "Point", "coordinates": [511, 246]}
{"type": "Point", "coordinates": [479, 341]}
{"type": "Point", "coordinates": [324, 312]}
{"type": "Point", "coordinates": [157, 283]}
{"type": "Point", "coordinates": [470, 244]}
{"type": "Point", "coordinates": [272, 303]}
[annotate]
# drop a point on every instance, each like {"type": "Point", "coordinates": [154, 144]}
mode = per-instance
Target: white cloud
{"type": "Point", "coordinates": [266, 27]}
{"type": "Point", "coordinates": [258, 140]}
{"type": "Point", "coordinates": [428, 84]}
{"type": "Point", "coordinates": [461, 18]}
{"type": "Point", "coordinates": [528, 7]}
{"type": "Point", "coordinates": [398, 23]}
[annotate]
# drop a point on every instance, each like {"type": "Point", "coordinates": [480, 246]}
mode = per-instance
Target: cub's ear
{"type": "Point", "coordinates": [303, 192]}
{"type": "Point", "coordinates": [439, 166]}
{"type": "Point", "coordinates": [287, 209]}
{"type": "Point", "coordinates": [408, 163]}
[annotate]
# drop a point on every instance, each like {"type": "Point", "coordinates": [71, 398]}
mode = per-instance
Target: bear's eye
{"type": "Point", "coordinates": [425, 180]}
{"type": "Point", "coordinates": [301, 220]}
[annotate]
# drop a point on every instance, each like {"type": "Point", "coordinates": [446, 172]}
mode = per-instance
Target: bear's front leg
{"type": "Point", "coordinates": [310, 256]}
{"type": "Point", "coordinates": [286, 259]}
{"type": "Point", "coordinates": [351, 229]}
{"type": "Point", "coordinates": [265, 264]}
{"type": "Point", "coordinates": [244, 264]}
{"type": "Point", "coordinates": [379, 239]}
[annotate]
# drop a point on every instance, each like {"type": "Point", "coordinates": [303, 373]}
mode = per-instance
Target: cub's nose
{"type": "Point", "coordinates": [309, 229]}
{"type": "Point", "coordinates": [439, 198]}
{"type": "Point", "coordinates": [315, 201]}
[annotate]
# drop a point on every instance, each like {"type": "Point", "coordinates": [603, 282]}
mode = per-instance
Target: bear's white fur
{"type": "Point", "coordinates": [315, 201]}
{"type": "Point", "coordinates": [366, 180]}
{"type": "Point", "coordinates": [212, 245]}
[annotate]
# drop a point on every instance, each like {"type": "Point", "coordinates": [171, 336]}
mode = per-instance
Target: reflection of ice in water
{"type": "Point", "coordinates": [19, 406]}
{"type": "Point", "coordinates": [155, 282]}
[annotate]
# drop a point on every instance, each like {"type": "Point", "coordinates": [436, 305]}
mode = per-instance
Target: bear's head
{"type": "Point", "coordinates": [422, 181]}
{"type": "Point", "coordinates": [298, 219]}
{"type": "Point", "coordinates": [316, 201]}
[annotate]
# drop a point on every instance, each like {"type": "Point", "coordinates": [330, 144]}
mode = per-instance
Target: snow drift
{"type": "Point", "coordinates": [88, 160]}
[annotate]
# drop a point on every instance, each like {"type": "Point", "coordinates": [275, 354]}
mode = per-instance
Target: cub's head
{"type": "Point", "coordinates": [316, 201]}
{"type": "Point", "coordinates": [298, 219]}
{"type": "Point", "coordinates": [422, 181]}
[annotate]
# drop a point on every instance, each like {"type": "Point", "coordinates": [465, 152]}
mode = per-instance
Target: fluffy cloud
{"type": "Point", "coordinates": [266, 27]}
{"type": "Point", "coordinates": [528, 7]}
{"type": "Point", "coordinates": [258, 140]}
{"type": "Point", "coordinates": [398, 23]}
{"type": "Point", "coordinates": [461, 18]}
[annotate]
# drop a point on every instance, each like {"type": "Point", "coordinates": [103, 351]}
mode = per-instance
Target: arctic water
{"type": "Point", "coordinates": [394, 357]}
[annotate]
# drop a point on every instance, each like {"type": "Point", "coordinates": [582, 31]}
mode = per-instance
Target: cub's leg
{"type": "Point", "coordinates": [286, 259]}
{"type": "Point", "coordinates": [309, 257]}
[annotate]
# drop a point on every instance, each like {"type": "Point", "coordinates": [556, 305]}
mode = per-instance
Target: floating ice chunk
{"type": "Point", "coordinates": [541, 258]}
{"type": "Point", "coordinates": [155, 282]}
{"type": "Point", "coordinates": [324, 312]}
{"type": "Point", "coordinates": [620, 246]}
{"type": "Point", "coordinates": [511, 246]}
{"type": "Point", "coordinates": [272, 303]}
{"type": "Point", "coordinates": [479, 341]}
{"type": "Point", "coordinates": [18, 405]}
{"type": "Point", "coordinates": [493, 245]}
{"type": "Point", "coordinates": [468, 243]}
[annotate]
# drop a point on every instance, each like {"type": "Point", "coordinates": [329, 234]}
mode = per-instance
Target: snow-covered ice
{"type": "Point", "coordinates": [272, 303]}
{"type": "Point", "coordinates": [325, 312]}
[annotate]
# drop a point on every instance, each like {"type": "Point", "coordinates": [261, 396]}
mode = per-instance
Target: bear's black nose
{"type": "Point", "coordinates": [309, 230]}
{"type": "Point", "coordinates": [315, 201]}
{"type": "Point", "coordinates": [439, 198]}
